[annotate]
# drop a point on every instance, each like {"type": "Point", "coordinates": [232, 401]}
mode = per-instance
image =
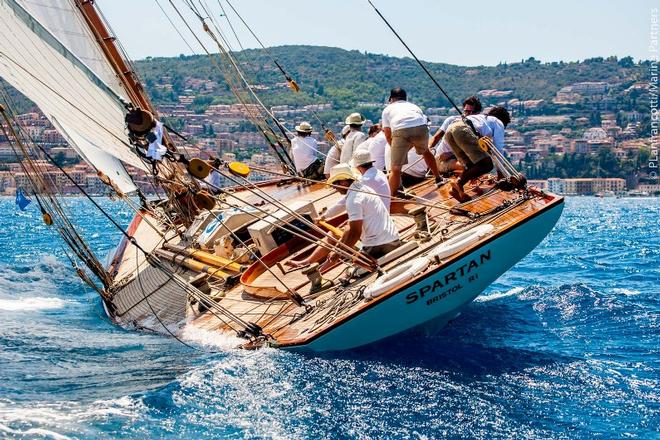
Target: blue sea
{"type": "Point", "coordinates": [564, 345]}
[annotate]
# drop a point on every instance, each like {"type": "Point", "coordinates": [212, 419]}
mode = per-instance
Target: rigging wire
{"type": "Point", "coordinates": [176, 29]}
{"type": "Point", "coordinates": [329, 135]}
{"type": "Point", "coordinates": [248, 109]}
{"type": "Point", "coordinates": [152, 261]}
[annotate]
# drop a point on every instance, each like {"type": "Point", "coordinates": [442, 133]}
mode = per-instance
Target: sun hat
{"type": "Point", "coordinates": [354, 119]}
{"type": "Point", "coordinates": [304, 127]}
{"type": "Point", "coordinates": [343, 171]}
{"type": "Point", "coordinates": [361, 157]}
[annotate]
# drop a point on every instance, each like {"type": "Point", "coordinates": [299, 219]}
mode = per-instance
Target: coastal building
{"type": "Point", "coordinates": [586, 186]}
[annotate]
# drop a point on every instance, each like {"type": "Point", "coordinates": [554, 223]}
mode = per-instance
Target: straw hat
{"type": "Point", "coordinates": [354, 119]}
{"type": "Point", "coordinates": [342, 171]}
{"type": "Point", "coordinates": [304, 127]}
{"type": "Point", "coordinates": [361, 157]}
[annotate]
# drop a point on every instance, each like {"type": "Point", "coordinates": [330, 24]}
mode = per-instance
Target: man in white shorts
{"type": "Point", "coordinates": [405, 127]}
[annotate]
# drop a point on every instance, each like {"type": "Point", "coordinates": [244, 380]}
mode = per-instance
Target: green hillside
{"type": "Point", "coordinates": [345, 78]}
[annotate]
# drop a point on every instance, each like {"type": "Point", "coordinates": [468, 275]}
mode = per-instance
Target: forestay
{"type": "Point", "coordinates": [48, 54]}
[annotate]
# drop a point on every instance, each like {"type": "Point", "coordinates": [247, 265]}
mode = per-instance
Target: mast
{"type": "Point", "coordinates": [108, 45]}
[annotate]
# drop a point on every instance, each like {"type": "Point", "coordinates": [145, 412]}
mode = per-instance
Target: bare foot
{"type": "Point", "coordinates": [296, 264]}
{"type": "Point", "coordinates": [457, 193]}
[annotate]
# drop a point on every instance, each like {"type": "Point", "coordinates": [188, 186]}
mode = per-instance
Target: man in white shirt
{"type": "Point", "coordinates": [334, 154]}
{"type": "Point", "coordinates": [375, 145]}
{"type": "Point", "coordinates": [413, 172]}
{"type": "Point", "coordinates": [465, 144]}
{"type": "Point", "coordinates": [156, 149]}
{"type": "Point", "coordinates": [304, 149]}
{"type": "Point", "coordinates": [371, 177]}
{"type": "Point", "coordinates": [331, 160]}
{"type": "Point", "coordinates": [368, 221]}
{"type": "Point", "coordinates": [405, 126]}
{"type": "Point", "coordinates": [354, 138]}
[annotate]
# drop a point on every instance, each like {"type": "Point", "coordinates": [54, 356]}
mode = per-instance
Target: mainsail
{"type": "Point", "coordinates": [49, 55]}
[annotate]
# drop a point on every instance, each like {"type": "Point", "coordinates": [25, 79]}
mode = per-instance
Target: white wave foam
{"type": "Point", "coordinates": [33, 432]}
{"type": "Point", "coordinates": [626, 292]}
{"type": "Point", "coordinates": [209, 338]}
{"type": "Point", "coordinates": [31, 304]}
{"type": "Point", "coordinates": [496, 296]}
{"type": "Point", "coordinates": [64, 416]}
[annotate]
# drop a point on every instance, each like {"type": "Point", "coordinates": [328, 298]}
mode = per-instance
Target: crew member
{"type": "Point", "coordinates": [465, 144]}
{"type": "Point", "coordinates": [304, 149]}
{"type": "Point", "coordinates": [375, 144]}
{"type": "Point", "coordinates": [334, 154]}
{"type": "Point", "coordinates": [371, 177]}
{"type": "Point", "coordinates": [405, 126]}
{"type": "Point", "coordinates": [156, 150]}
{"type": "Point", "coordinates": [445, 158]}
{"type": "Point", "coordinates": [368, 221]}
{"type": "Point", "coordinates": [354, 138]}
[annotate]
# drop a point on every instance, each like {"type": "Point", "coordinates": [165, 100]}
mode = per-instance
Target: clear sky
{"type": "Point", "coordinates": [456, 32]}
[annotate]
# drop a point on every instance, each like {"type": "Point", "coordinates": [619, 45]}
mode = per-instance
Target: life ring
{"type": "Point", "coordinates": [396, 277]}
{"type": "Point", "coordinates": [461, 241]}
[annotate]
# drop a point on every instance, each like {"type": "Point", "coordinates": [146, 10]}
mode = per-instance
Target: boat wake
{"type": "Point", "coordinates": [499, 295]}
{"type": "Point", "coordinates": [64, 420]}
{"type": "Point", "coordinates": [31, 304]}
{"type": "Point", "coordinates": [208, 339]}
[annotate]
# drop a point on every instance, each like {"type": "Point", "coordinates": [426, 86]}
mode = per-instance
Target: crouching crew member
{"type": "Point", "coordinates": [465, 144]}
{"type": "Point", "coordinates": [368, 220]}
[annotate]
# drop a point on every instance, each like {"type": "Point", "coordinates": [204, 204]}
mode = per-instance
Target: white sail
{"type": "Point", "coordinates": [94, 154]}
{"type": "Point", "coordinates": [65, 22]}
{"type": "Point", "coordinates": [42, 68]}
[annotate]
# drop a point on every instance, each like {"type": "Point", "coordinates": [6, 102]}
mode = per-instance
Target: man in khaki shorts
{"type": "Point", "coordinates": [405, 126]}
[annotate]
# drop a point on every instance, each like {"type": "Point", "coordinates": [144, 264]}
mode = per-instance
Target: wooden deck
{"type": "Point", "coordinates": [288, 324]}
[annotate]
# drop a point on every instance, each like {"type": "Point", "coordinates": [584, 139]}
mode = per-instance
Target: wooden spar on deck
{"type": "Point", "coordinates": [192, 264]}
{"type": "Point", "coordinates": [205, 257]}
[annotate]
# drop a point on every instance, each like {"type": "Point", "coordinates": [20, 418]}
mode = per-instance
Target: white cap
{"type": "Point", "coordinates": [361, 157]}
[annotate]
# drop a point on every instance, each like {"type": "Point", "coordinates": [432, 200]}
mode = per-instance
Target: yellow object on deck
{"type": "Point", "coordinates": [206, 257]}
{"type": "Point", "coordinates": [485, 143]}
{"type": "Point", "coordinates": [192, 264]}
{"type": "Point", "coordinates": [239, 169]}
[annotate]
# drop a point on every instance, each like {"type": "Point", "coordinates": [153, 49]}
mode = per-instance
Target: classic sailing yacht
{"type": "Point", "coordinates": [175, 266]}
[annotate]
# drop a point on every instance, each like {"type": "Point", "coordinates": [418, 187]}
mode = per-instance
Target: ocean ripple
{"type": "Point", "coordinates": [564, 345]}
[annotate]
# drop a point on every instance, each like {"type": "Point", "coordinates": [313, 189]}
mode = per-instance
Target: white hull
{"type": "Point", "coordinates": [438, 298]}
